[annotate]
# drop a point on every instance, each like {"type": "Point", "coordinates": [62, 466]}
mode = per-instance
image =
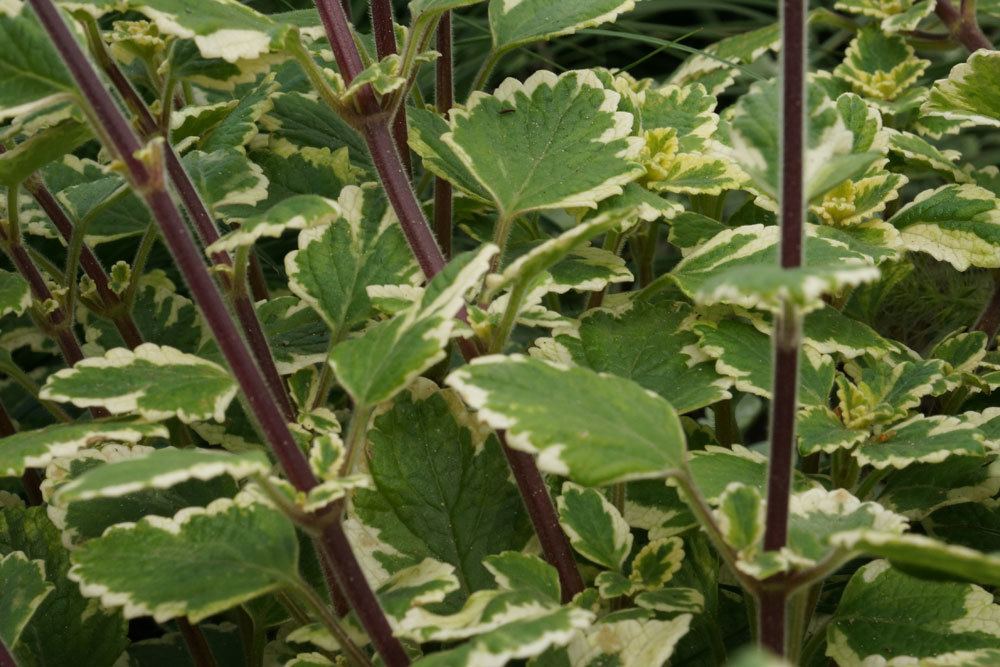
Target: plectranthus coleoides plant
{"type": "Point", "coordinates": [311, 359]}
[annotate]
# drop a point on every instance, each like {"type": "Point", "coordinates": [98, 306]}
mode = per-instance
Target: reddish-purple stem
{"type": "Point", "coordinates": [965, 30]}
{"type": "Point", "coordinates": [428, 255]}
{"type": "Point", "coordinates": [786, 330]}
{"type": "Point", "coordinates": [385, 45]}
{"type": "Point", "coordinates": [197, 645]}
{"type": "Point", "coordinates": [6, 658]}
{"type": "Point", "coordinates": [444, 99]}
{"type": "Point", "coordinates": [125, 143]}
{"type": "Point", "coordinates": [208, 233]}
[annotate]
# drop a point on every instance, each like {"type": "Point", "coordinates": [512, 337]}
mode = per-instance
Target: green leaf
{"type": "Point", "coordinates": [740, 516]}
{"type": "Point", "coordinates": [672, 600]}
{"type": "Point", "coordinates": [714, 468]}
{"type": "Point", "coordinates": [34, 76]}
{"type": "Point", "coordinates": [239, 126]}
{"type": "Point", "coordinates": [425, 8]}
{"type": "Point", "coordinates": [668, 169]}
{"type": "Point", "coordinates": [751, 133]}
{"type": "Point", "coordinates": [921, 440]}
{"type": "Point", "coordinates": [973, 524]}
{"type": "Point", "coordinates": [160, 469]}
{"type": "Point", "coordinates": [880, 66]}
{"type": "Point", "coordinates": [296, 333]}
{"type": "Point", "coordinates": [427, 582]}
{"type": "Point", "coordinates": [858, 201]}
{"type": "Point", "coordinates": [335, 264]}
{"type": "Point", "coordinates": [441, 488]}
{"type": "Point", "coordinates": [48, 145]}
{"type": "Point", "coordinates": [819, 429]}
{"type": "Point", "coordinates": [37, 448]}
{"type": "Point", "coordinates": [918, 150]}
{"type": "Point", "coordinates": [388, 356]}
{"type": "Point", "coordinates": [197, 564]}
{"type": "Point", "coordinates": [656, 563]}
{"type": "Point", "coordinates": [518, 142]}
{"type": "Point", "coordinates": [828, 331]}
{"type": "Point", "coordinates": [298, 212]}
{"type": "Point", "coordinates": [595, 429]}
{"type": "Point", "coordinates": [86, 519]}
{"type": "Point", "coordinates": [515, 571]}
{"type": "Point", "coordinates": [755, 248]}
{"type": "Point", "coordinates": [522, 638]}
{"type": "Point", "coordinates": [24, 589]}
{"type": "Point", "coordinates": [222, 28]}
{"type": "Point", "coordinates": [885, 614]}
{"type": "Point", "coordinates": [594, 527]}
{"type": "Point", "coordinates": [89, 635]}
{"type": "Point", "coordinates": [883, 393]}
{"type": "Point", "coordinates": [970, 94]}
{"type": "Point", "coordinates": [771, 288]}
{"type": "Point", "coordinates": [15, 296]}
{"type": "Point", "coordinates": [228, 182]}
{"type": "Point", "coordinates": [689, 110]}
{"type": "Point", "coordinates": [894, 15]}
{"type": "Point", "coordinates": [744, 354]}
{"type": "Point", "coordinates": [153, 381]}
{"type": "Point", "coordinates": [426, 130]}
{"type": "Point", "coordinates": [958, 224]}
{"type": "Point", "coordinates": [716, 66]}
{"type": "Point", "coordinates": [517, 23]}
{"type": "Point", "coordinates": [162, 315]}
{"type": "Point", "coordinates": [651, 344]}
{"type": "Point", "coordinates": [926, 556]}
{"type": "Point", "coordinates": [923, 488]}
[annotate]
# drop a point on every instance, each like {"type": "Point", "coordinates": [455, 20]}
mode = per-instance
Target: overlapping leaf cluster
{"type": "Point", "coordinates": [616, 276]}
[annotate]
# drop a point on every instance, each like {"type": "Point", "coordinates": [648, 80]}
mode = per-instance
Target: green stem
{"type": "Point", "coordinates": [351, 651]}
{"type": "Point", "coordinates": [24, 381]}
{"type": "Point", "coordinates": [354, 441]}
{"type": "Point", "coordinates": [73, 263]}
{"type": "Point", "coordinates": [868, 484]}
{"type": "Point", "coordinates": [727, 431]}
{"type": "Point", "coordinates": [509, 318]}
{"type": "Point", "coordinates": [618, 497]}
{"type": "Point", "coordinates": [139, 263]}
{"type": "Point", "coordinates": [486, 69]}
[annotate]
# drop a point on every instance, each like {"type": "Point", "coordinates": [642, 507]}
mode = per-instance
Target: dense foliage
{"type": "Point", "coordinates": [310, 360]}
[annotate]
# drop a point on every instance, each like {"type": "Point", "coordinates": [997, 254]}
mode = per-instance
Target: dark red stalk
{"type": "Point", "coordinates": [197, 645]}
{"type": "Point", "coordinates": [204, 224]}
{"type": "Point", "coordinates": [444, 99]}
{"type": "Point", "coordinates": [773, 604]}
{"type": "Point", "coordinates": [6, 659]}
{"type": "Point", "coordinates": [963, 26]}
{"type": "Point", "coordinates": [428, 255]}
{"type": "Point", "coordinates": [148, 183]}
{"type": "Point", "coordinates": [385, 45]}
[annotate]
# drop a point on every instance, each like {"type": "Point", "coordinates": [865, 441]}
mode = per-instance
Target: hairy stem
{"type": "Point", "coordinates": [787, 324]}
{"type": "Point", "coordinates": [385, 45]}
{"type": "Point", "coordinates": [148, 182]}
{"type": "Point", "coordinates": [393, 177]}
{"type": "Point", "coordinates": [197, 645]}
{"type": "Point", "coordinates": [444, 99]}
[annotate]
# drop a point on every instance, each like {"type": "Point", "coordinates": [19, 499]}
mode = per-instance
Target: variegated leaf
{"type": "Point", "coordinates": [153, 381]}
{"type": "Point", "coordinates": [715, 468]}
{"type": "Point", "coordinates": [388, 356]}
{"type": "Point", "coordinates": [717, 65]}
{"type": "Point", "coordinates": [894, 15]}
{"type": "Point", "coordinates": [516, 144]}
{"type": "Point", "coordinates": [160, 469]}
{"type": "Point", "coordinates": [958, 224]}
{"type": "Point", "coordinates": [921, 440]}
{"type": "Point", "coordinates": [883, 393]}
{"type": "Point", "coordinates": [594, 527]}
{"type": "Point", "coordinates": [970, 94]}
{"type": "Point", "coordinates": [629, 642]}
{"type": "Point", "coordinates": [819, 429]}
{"type": "Point", "coordinates": [34, 76]}
{"type": "Point", "coordinates": [887, 615]}
{"type": "Point", "coordinates": [15, 297]}
{"type": "Point", "coordinates": [37, 448]}
{"type": "Point", "coordinates": [335, 264]}
{"type": "Point", "coordinates": [923, 488]}
{"type": "Point", "coordinates": [526, 21]}
{"type": "Point", "coordinates": [593, 428]}
{"type": "Point", "coordinates": [252, 548]}
{"type": "Point", "coordinates": [24, 589]}
{"type": "Point", "coordinates": [298, 212]}
{"type": "Point", "coordinates": [880, 66]}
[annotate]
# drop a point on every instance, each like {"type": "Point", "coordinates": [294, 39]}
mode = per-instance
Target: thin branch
{"type": "Point", "coordinates": [444, 99]}
{"type": "Point", "coordinates": [204, 223]}
{"type": "Point", "coordinates": [148, 182]}
{"type": "Point", "coordinates": [787, 325]}
{"type": "Point", "coordinates": [963, 24]}
{"type": "Point", "coordinates": [425, 249]}
{"type": "Point", "coordinates": [197, 645]}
